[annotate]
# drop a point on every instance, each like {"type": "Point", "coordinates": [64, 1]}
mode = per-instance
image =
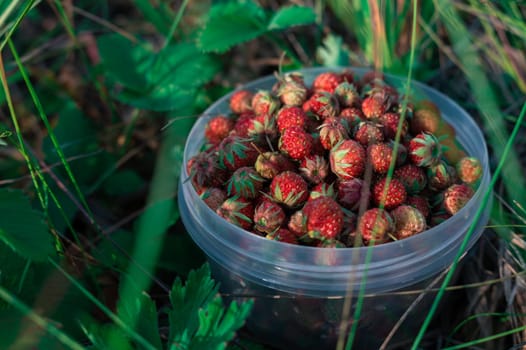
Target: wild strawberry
{"type": "Point", "coordinates": [324, 105]}
{"type": "Point", "coordinates": [268, 216]}
{"type": "Point", "coordinates": [352, 193]}
{"type": "Point", "coordinates": [440, 176]}
{"type": "Point", "coordinates": [205, 171]}
{"type": "Point", "coordinates": [292, 90]}
{"type": "Point", "coordinates": [241, 101]}
{"type": "Point", "coordinates": [322, 189]}
{"type": "Point", "coordinates": [243, 124]}
{"type": "Point", "coordinates": [390, 123]}
{"type": "Point", "coordinates": [456, 197]}
{"type": "Point", "coordinates": [298, 223]}
{"type": "Point", "coordinates": [351, 117]}
{"type": "Point", "coordinates": [283, 235]}
{"type": "Point", "coordinates": [238, 211]}
{"type": "Point", "coordinates": [213, 197]}
{"type": "Point", "coordinates": [314, 168]}
{"type": "Point", "coordinates": [375, 105]}
{"type": "Point", "coordinates": [469, 170]}
{"type": "Point", "coordinates": [414, 178]}
{"type": "Point", "coordinates": [426, 120]}
{"type": "Point", "coordinates": [347, 75]}
{"type": "Point", "coordinates": [218, 128]}
{"type": "Point", "coordinates": [289, 188]}
{"type": "Point", "coordinates": [270, 164]}
{"type": "Point", "coordinates": [368, 133]}
{"type": "Point", "coordinates": [424, 150]}
{"type": "Point", "coordinates": [347, 94]}
{"type": "Point", "coordinates": [347, 159]}
{"type": "Point", "coordinates": [236, 152]}
{"type": "Point", "coordinates": [375, 225]}
{"type": "Point", "coordinates": [263, 130]}
{"type": "Point", "coordinates": [380, 156]}
{"type": "Point", "coordinates": [295, 142]}
{"type": "Point", "coordinates": [408, 221]}
{"type": "Point", "coordinates": [327, 81]}
{"type": "Point", "coordinates": [332, 131]}
{"type": "Point", "coordinates": [420, 203]}
{"type": "Point", "coordinates": [264, 102]}
{"type": "Point", "coordinates": [317, 147]}
{"type": "Point", "coordinates": [324, 218]}
{"type": "Point", "coordinates": [393, 197]}
{"type": "Point", "coordinates": [245, 182]}
{"type": "Point", "coordinates": [291, 116]}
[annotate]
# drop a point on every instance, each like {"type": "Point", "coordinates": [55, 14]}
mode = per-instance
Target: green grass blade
{"type": "Point", "coordinates": [29, 6]}
{"type": "Point", "coordinates": [486, 339]}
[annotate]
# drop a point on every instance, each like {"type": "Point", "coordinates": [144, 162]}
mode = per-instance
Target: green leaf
{"type": "Point", "coordinates": [22, 228]}
{"type": "Point", "coordinates": [333, 52]}
{"type": "Point", "coordinates": [123, 182]}
{"type": "Point", "coordinates": [163, 98]}
{"type": "Point", "coordinates": [291, 16]}
{"type": "Point", "coordinates": [230, 24]}
{"type": "Point", "coordinates": [109, 255]}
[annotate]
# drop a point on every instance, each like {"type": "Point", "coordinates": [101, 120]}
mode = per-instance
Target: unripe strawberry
{"type": "Point", "coordinates": [375, 225]}
{"type": "Point", "coordinates": [327, 81]}
{"type": "Point", "coordinates": [347, 159]}
{"type": "Point", "coordinates": [295, 142]}
{"type": "Point", "coordinates": [241, 101]}
{"type": "Point", "coordinates": [292, 90]}
{"type": "Point", "coordinates": [314, 168]}
{"type": "Point", "coordinates": [440, 176]}
{"type": "Point", "coordinates": [368, 133]}
{"type": "Point", "coordinates": [408, 221]}
{"type": "Point", "coordinates": [213, 197]}
{"type": "Point", "coordinates": [351, 117]}
{"type": "Point", "coordinates": [270, 164]}
{"type": "Point", "coordinates": [469, 170]}
{"type": "Point", "coordinates": [376, 105]}
{"type": "Point", "coordinates": [414, 178]}
{"type": "Point", "coordinates": [298, 223]}
{"type": "Point", "coordinates": [264, 102]}
{"type": "Point", "coordinates": [380, 156]}
{"type": "Point", "coordinates": [245, 182]}
{"type": "Point", "coordinates": [218, 128]}
{"type": "Point", "coordinates": [351, 193]}
{"type": "Point", "coordinates": [322, 189]}
{"type": "Point", "coordinates": [238, 211]}
{"type": "Point", "coordinates": [268, 216]}
{"type": "Point", "coordinates": [235, 152]}
{"type": "Point", "coordinates": [420, 203]}
{"type": "Point", "coordinates": [426, 120]}
{"type": "Point", "coordinates": [347, 95]}
{"type": "Point", "coordinates": [283, 235]}
{"type": "Point", "coordinates": [289, 188]}
{"type": "Point", "coordinates": [424, 150]}
{"type": "Point", "coordinates": [390, 123]}
{"type": "Point", "coordinates": [456, 197]}
{"type": "Point", "coordinates": [332, 131]}
{"type": "Point", "coordinates": [324, 218]}
{"type": "Point", "coordinates": [452, 150]}
{"type": "Point", "coordinates": [393, 197]}
{"type": "Point", "coordinates": [324, 105]}
{"type": "Point", "coordinates": [205, 171]}
{"type": "Point", "coordinates": [291, 116]}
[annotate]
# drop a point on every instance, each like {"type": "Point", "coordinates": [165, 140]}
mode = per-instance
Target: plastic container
{"type": "Point", "coordinates": [299, 291]}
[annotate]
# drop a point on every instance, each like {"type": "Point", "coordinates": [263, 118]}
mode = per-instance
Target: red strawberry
{"type": "Point", "coordinates": [241, 101]}
{"type": "Point", "coordinates": [327, 81]}
{"type": "Point", "coordinates": [236, 152]}
{"type": "Point", "coordinates": [351, 117]}
{"type": "Point", "coordinates": [295, 142]}
{"type": "Point", "coordinates": [440, 176]}
{"type": "Point", "coordinates": [314, 168]}
{"type": "Point", "coordinates": [245, 182]}
{"type": "Point", "coordinates": [238, 211]}
{"type": "Point", "coordinates": [368, 133]}
{"type": "Point", "coordinates": [347, 75]}
{"type": "Point", "coordinates": [376, 105]}
{"type": "Point", "coordinates": [205, 171]}
{"type": "Point", "coordinates": [390, 123]}
{"type": "Point", "coordinates": [347, 159]}
{"type": "Point", "coordinates": [332, 131]}
{"type": "Point", "coordinates": [242, 125]}
{"type": "Point", "coordinates": [283, 235]}
{"type": "Point", "coordinates": [408, 221]}
{"type": "Point", "coordinates": [322, 189]}
{"type": "Point", "coordinates": [393, 197]}
{"type": "Point", "coordinates": [263, 129]}
{"type": "Point", "coordinates": [213, 197]}
{"type": "Point", "coordinates": [375, 225]}
{"type": "Point", "coordinates": [218, 128]}
{"type": "Point", "coordinates": [419, 203]}
{"type": "Point", "coordinates": [424, 150]}
{"type": "Point", "coordinates": [456, 197]}
{"type": "Point", "coordinates": [268, 216]}
{"type": "Point", "coordinates": [380, 156]}
{"type": "Point", "coordinates": [291, 116]}
{"type": "Point", "coordinates": [264, 102]}
{"type": "Point", "coordinates": [292, 90]}
{"type": "Point", "coordinates": [324, 105]}
{"type": "Point", "coordinates": [414, 178]}
{"type": "Point", "coordinates": [469, 169]}
{"type": "Point", "coordinates": [347, 94]}
{"type": "Point", "coordinates": [270, 164]}
{"type": "Point", "coordinates": [289, 188]}
{"type": "Point", "coordinates": [324, 218]}
{"type": "Point", "coordinates": [351, 193]}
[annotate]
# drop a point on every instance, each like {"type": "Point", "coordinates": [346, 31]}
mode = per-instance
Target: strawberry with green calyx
{"type": "Point", "coordinates": [425, 150]}
{"type": "Point", "coordinates": [295, 142]}
{"type": "Point", "coordinates": [408, 220]}
{"type": "Point", "coordinates": [376, 104]}
{"type": "Point", "coordinates": [289, 189]}
{"type": "Point", "coordinates": [326, 82]}
{"type": "Point", "coordinates": [270, 164]}
{"type": "Point", "coordinates": [205, 171]}
{"type": "Point", "coordinates": [324, 218]}
{"type": "Point", "coordinates": [263, 130]}
{"type": "Point", "coordinates": [347, 159]}
{"type": "Point", "coordinates": [238, 211]}
{"type": "Point", "coordinates": [218, 128]}
{"type": "Point", "coordinates": [264, 102]}
{"type": "Point", "coordinates": [390, 123]}
{"type": "Point", "coordinates": [314, 168]}
{"type": "Point", "coordinates": [291, 89]}
{"type": "Point", "coordinates": [324, 105]}
{"type": "Point", "coordinates": [413, 177]}
{"type": "Point", "coordinates": [235, 152]}
{"type": "Point", "coordinates": [469, 170]}
{"type": "Point", "coordinates": [420, 203]}
{"type": "Point", "coordinates": [368, 133]}
{"type": "Point", "coordinates": [283, 235]}
{"type": "Point", "coordinates": [351, 193]}
{"type": "Point", "coordinates": [213, 197]}
{"type": "Point", "coordinates": [242, 124]}
{"type": "Point", "coordinates": [291, 116]}
{"type": "Point", "coordinates": [380, 156]}
{"type": "Point", "coordinates": [241, 101]}
{"type": "Point", "coordinates": [332, 131]}
{"type": "Point", "coordinates": [456, 197]}
{"type": "Point", "coordinates": [440, 176]}
{"type": "Point", "coordinates": [351, 117]}
{"type": "Point", "coordinates": [347, 95]}
{"type": "Point", "coordinates": [322, 189]}
{"type": "Point", "coordinates": [268, 216]}
{"type": "Point", "coordinates": [393, 197]}
{"type": "Point", "coordinates": [245, 182]}
{"type": "Point", "coordinates": [375, 225]}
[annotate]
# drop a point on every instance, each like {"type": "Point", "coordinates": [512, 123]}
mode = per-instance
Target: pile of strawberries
{"type": "Point", "coordinates": [342, 163]}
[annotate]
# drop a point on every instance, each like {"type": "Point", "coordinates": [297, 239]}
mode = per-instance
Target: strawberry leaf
{"type": "Point", "coordinates": [291, 16]}
{"type": "Point", "coordinates": [333, 52]}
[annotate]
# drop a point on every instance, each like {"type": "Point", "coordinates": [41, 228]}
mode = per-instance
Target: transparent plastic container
{"type": "Point", "coordinates": [299, 291]}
